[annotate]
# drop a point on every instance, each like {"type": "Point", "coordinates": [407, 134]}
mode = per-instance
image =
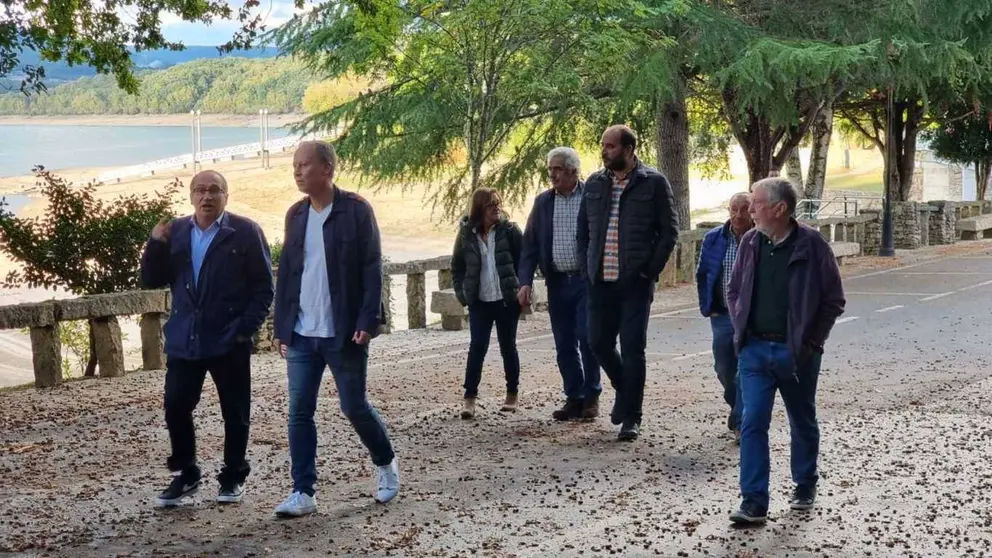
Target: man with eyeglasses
{"type": "Point", "coordinates": [219, 270]}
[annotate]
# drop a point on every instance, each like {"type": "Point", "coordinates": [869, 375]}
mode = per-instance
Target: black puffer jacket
{"type": "Point", "coordinates": [466, 261]}
{"type": "Point", "coordinates": [649, 226]}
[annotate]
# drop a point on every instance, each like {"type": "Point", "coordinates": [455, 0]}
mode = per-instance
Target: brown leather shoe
{"type": "Point", "coordinates": [510, 405]}
{"type": "Point", "coordinates": [590, 409]}
{"type": "Point", "coordinates": [468, 408]}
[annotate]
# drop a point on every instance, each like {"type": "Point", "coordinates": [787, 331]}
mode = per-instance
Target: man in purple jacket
{"type": "Point", "coordinates": [785, 295]}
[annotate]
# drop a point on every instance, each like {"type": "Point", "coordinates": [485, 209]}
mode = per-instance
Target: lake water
{"type": "Point", "coordinates": [63, 147]}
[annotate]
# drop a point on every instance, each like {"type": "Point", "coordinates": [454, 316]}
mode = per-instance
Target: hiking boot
{"type": "Point", "coordinates": [803, 498]}
{"type": "Point", "coordinates": [468, 408]}
{"type": "Point", "coordinates": [510, 405]}
{"type": "Point", "coordinates": [590, 408]}
{"type": "Point", "coordinates": [180, 487]}
{"type": "Point", "coordinates": [572, 410]}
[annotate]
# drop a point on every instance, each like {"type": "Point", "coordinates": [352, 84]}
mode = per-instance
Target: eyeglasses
{"type": "Point", "coordinates": [212, 190]}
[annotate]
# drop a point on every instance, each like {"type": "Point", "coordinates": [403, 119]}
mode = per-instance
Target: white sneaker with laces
{"type": "Point", "coordinates": [297, 504]}
{"type": "Point", "coordinates": [387, 482]}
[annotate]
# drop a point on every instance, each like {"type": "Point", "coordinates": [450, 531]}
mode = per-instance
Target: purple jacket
{"type": "Point", "coordinates": [816, 295]}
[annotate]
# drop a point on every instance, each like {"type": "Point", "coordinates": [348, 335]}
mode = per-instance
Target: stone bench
{"type": "Point", "coordinates": [844, 250]}
{"type": "Point", "coordinates": [976, 227]}
{"type": "Point", "coordinates": [454, 316]}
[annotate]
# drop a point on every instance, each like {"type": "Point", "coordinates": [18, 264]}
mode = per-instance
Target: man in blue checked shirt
{"type": "Point", "coordinates": [716, 261]}
{"type": "Point", "coordinates": [219, 270]}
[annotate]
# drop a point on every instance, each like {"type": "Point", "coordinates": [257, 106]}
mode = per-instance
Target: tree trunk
{"type": "Point", "coordinates": [794, 170]}
{"type": "Point", "coordinates": [820, 132]}
{"type": "Point", "coordinates": [672, 128]}
{"type": "Point", "coordinates": [908, 117]}
{"type": "Point", "coordinates": [91, 363]}
{"type": "Point", "coordinates": [983, 169]}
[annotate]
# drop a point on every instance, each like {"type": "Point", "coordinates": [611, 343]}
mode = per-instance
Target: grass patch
{"type": "Point", "coordinates": [864, 182]}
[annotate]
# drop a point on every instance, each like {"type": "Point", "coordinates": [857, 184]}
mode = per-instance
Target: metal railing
{"type": "Point", "coordinates": [844, 206]}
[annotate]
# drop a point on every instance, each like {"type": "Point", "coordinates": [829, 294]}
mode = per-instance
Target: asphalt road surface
{"type": "Point", "coordinates": [905, 401]}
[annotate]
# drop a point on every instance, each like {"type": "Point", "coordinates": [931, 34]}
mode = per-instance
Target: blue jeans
{"type": "Point", "coordinates": [765, 366]}
{"type": "Point", "coordinates": [481, 317]}
{"type": "Point", "coordinates": [622, 309]}
{"type": "Point", "coordinates": [725, 363]}
{"type": "Point", "coordinates": [567, 300]}
{"type": "Point", "coordinates": [307, 358]}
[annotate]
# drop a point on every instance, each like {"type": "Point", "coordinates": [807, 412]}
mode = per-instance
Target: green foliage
{"type": "Point", "coordinates": [82, 244]}
{"type": "Point", "coordinates": [966, 141]}
{"type": "Point", "coordinates": [103, 34]}
{"type": "Point", "coordinates": [459, 80]}
{"type": "Point", "coordinates": [229, 86]}
{"type": "Point", "coordinates": [275, 251]}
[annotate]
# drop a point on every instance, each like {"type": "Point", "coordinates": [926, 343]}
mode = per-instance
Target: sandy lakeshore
{"type": "Point", "coordinates": [233, 120]}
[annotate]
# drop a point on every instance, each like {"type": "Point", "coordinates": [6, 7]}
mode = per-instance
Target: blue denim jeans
{"type": "Point", "coordinates": [764, 367]}
{"type": "Point", "coordinates": [567, 301]}
{"type": "Point", "coordinates": [306, 360]}
{"type": "Point", "coordinates": [725, 363]}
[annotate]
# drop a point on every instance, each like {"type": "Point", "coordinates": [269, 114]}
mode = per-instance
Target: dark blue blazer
{"type": "Point", "coordinates": [354, 268]}
{"type": "Point", "coordinates": [710, 266]}
{"type": "Point", "coordinates": [536, 252]}
{"type": "Point", "coordinates": [230, 301]}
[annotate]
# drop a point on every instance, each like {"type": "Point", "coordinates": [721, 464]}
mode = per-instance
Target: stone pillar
{"type": "Point", "coordinates": [924, 219]}
{"type": "Point", "coordinates": [444, 280]}
{"type": "Point", "coordinates": [906, 225]}
{"type": "Point", "coordinates": [668, 278]}
{"type": "Point", "coordinates": [943, 222]}
{"type": "Point", "coordinates": [872, 233]}
{"type": "Point", "coordinates": [416, 300]}
{"type": "Point", "coordinates": [46, 355]}
{"type": "Point", "coordinates": [109, 348]}
{"type": "Point", "coordinates": [152, 341]}
{"type": "Point", "coordinates": [826, 231]}
{"type": "Point", "coordinates": [453, 323]}
{"type": "Point", "coordinates": [840, 232]}
{"type": "Point", "coordinates": [387, 304]}
{"type": "Point", "coordinates": [685, 254]}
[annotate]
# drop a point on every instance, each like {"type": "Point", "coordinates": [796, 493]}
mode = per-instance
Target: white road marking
{"type": "Point", "coordinates": [693, 355]}
{"type": "Point", "coordinates": [936, 296]}
{"type": "Point", "coordinates": [889, 309]}
{"type": "Point", "coordinates": [947, 273]}
{"type": "Point", "coordinates": [968, 288]}
{"type": "Point", "coordinates": [847, 319]}
{"type": "Point", "coordinates": [868, 293]}
{"type": "Point", "coordinates": [674, 312]}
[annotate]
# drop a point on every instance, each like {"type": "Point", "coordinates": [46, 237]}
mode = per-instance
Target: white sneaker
{"type": "Point", "coordinates": [387, 482]}
{"type": "Point", "coordinates": [297, 505]}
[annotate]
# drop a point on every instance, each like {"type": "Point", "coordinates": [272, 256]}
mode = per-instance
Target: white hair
{"type": "Point", "coordinates": [569, 157]}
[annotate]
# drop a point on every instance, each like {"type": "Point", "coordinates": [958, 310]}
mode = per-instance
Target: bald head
{"type": "Point", "coordinates": [208, 194]}
{"type": "Point", "coordinates": [618, 145]}
{"type": "Point", "coordinates": [740, 213]}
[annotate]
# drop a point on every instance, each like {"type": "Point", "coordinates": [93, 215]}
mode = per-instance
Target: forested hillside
{"type": "Point", "coordinates": [225, 85]}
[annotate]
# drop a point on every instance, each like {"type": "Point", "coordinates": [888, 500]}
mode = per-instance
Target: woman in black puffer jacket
{"type": "Point", "coordinates": [484, 271]}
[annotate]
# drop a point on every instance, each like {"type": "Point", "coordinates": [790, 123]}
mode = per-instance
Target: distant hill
{"type": "Point", "coordinates": [229, 85]}
{"type": "Point", "coordinates": [57, 73]}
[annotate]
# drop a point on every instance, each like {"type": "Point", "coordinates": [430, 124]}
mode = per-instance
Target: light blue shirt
{"type": "Point", "coordinates": [200, 241]}
{"type": "Point", "coordinates": [316, 318]}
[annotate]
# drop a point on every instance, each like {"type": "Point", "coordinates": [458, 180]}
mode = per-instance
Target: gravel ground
{"type": "Point", "coordinates": [906, 444]}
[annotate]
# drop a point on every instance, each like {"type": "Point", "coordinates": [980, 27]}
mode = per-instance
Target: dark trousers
{"type": "Point", "coordinates": [622, 308]}
{"type": "Point", "coordinates": [725, 363]}
{"type": "Point", "coordinates": [568, 306]}
{"type": "Point", "coordinates": [306, 360]}
{"type": "Point", "coordinates": [764, 367]}
{"type": "Point", "coordinates": [481, 317]}
{"type": "Point", "coordinates": [183, 385]}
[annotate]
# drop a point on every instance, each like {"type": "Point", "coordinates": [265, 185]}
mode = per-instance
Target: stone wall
{"type": "Point", "coordinates": [906, 226]}
{"type": "Point", "coordinates": [872, 240]}
{"type": "Point", "coordinates": [943, 223]}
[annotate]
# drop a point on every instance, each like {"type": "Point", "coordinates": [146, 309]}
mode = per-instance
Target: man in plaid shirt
{"type": "Point", "coordinates": [716, 261]}
{"type": "Point", "coordinates": [627, 230]}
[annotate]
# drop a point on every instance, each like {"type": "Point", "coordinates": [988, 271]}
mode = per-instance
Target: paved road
{"type": "Point", "coordinates": [905, 410]}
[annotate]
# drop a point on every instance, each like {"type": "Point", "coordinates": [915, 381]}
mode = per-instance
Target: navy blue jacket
{"type": "Point", "coordinates": [536, 253]}
{"type": "Point", "coordinates": [231, 299]}
{"type": "Point", "coordinates": [710, 266]}
{"type": "Point", "coordinates": [354, 268]}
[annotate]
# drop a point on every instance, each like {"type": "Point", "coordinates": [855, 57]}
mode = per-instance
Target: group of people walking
{"type": "Point", "coordinates": [769, 285]}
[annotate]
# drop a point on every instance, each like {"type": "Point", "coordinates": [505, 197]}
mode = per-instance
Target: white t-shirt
{"type": "Point", "coordinates": [316, 317]}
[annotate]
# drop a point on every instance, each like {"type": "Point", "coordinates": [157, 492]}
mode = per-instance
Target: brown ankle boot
{"type": "Point", "coordinates": [468, 408]}
{"type": "Point", "coordinates": [510, 405]}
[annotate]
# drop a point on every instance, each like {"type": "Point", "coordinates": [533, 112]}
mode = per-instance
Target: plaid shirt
{"type": "Point", "coordinates": [611, 250]}
{"type": "Point", "coordinates": [564, 224]}
{"type": "Point", "coordinates": [728, 265]}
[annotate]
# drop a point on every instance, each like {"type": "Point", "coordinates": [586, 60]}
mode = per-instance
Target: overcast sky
{"type": "Point", "coordinates": [276, 12]}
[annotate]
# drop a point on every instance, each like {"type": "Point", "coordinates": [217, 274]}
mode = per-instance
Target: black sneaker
{"type": "Point", "coordinates": [629, 431]}
{"type": "Point", "coordinates": [748, 514]}
{"type": "Point", "coordinates": [571, 411]}
{"type": "Point", "coordinates": [803, 498]}
{"type": "Point", "coordinates": [179, 488]}
{"type": "Point", "coordinates": [230, 492]}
